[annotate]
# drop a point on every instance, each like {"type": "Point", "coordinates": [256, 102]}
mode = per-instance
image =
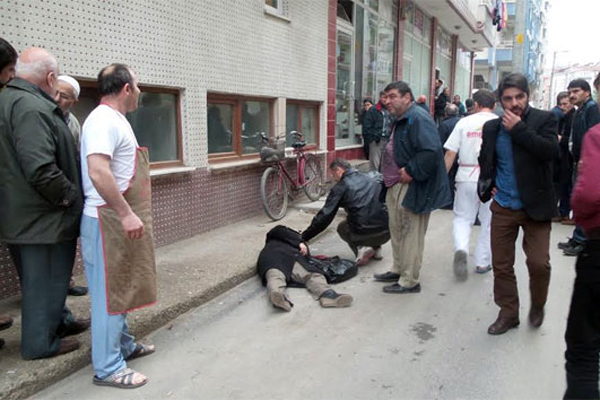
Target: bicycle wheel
{"type": "Point", "coordinates": [313, 177]}
{"type": "Point", "coordinates": [274, 193]}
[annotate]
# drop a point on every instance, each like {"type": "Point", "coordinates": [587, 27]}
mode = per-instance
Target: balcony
{"type": "Point", "coordinates": [470, 20]}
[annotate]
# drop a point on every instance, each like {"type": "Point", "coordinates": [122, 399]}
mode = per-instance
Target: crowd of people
{"type": "Point", "coordinates": [61, 182]}
{"type": "Point", "coordinates": [509, 172]}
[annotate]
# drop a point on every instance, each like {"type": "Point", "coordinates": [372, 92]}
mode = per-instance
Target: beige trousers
{"type": "Point", "coordinates": [316, 284]}
{"type": "Point", "coordinates": [407, 230]}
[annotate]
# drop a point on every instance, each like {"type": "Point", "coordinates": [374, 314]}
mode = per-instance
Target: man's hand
{"type": "Point", "coordinates": [303, 249]}
{"type": "Point", "coordinates": [509, 120]}
{"type": "Point", "coordinates": [133, 226]}
{"type": "Point", "coordinates": [494, 191]}
{"type": "Point", "coordinates": [404, 176]}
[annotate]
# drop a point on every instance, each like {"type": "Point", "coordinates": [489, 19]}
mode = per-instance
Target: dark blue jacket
{"type": "Point", "coordinates": [417, 147]}
{"type": "Point", "coordinates": [586, 116]}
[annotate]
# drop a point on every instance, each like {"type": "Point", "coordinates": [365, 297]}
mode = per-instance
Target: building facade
{"type": "Point", "coordinates": [214, 74]}
{"type": "Point", "coordinates": [520, 47]}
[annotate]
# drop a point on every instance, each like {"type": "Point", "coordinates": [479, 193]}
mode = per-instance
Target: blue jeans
{"type": "Point", "coordinates": [111, 341]}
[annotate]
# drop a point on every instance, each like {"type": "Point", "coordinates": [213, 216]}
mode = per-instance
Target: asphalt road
{"type": "Point", "coordinates": [431, 345]}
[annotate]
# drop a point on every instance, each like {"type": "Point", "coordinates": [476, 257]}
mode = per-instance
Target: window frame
{"type": "Point", "coordinates": [236, 101]}
{"type": "Point", "coordinates": [88, 84]}
{"type": "Point", "coordinates": [307, 104]}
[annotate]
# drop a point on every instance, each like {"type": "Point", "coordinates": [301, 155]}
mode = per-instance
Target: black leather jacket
{"type": "Point", "coordinates": [360, 195]}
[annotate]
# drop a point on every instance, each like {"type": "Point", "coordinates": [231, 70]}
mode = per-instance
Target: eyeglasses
{"type": "Point", "coordinates": [65, 96]}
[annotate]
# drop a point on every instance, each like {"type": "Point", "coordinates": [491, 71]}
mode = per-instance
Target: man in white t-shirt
{"type": "Point", "coordinates": [465, 141]}
{"type": "Point", "coordinates": [108, 161]}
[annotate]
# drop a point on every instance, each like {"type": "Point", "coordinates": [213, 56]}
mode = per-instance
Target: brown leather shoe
{"type": "Point", "coordinates": [502, 325]}
{"type": "Point", "coordinates": [74, 328]}
{"type": "Point", "coordinates": [536, 317]}
{"type": "Point", "coordinates": [67, 346]}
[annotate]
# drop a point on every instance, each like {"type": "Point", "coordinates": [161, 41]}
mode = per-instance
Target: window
{"type": "Point", "coordinates": [234, 125]}
{"type": "Point", "coordinates": [156, 122]}
{"type": "Point", "coordinates": [302, 117]}
{"type": "Point", "coordinates": [273, 3]}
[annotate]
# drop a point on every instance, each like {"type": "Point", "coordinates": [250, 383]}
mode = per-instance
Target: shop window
{"type": "Point", "coordinates": [302, 117]}
{"type": "Point", "coordinates": [345, 10]}
{"type": "Point", "coordinates": [234, 125]}
{"type": "Point", "coordinates": [156, 122]}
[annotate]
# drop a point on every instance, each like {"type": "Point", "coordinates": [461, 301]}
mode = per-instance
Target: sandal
{"type": "Point", "coordinates": [122, 379]}
{"type": "Point", "coordinates": [141, 350]}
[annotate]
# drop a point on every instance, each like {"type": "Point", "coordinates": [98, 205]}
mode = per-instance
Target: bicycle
{"type": "Point", "coordinates": [274, 190]}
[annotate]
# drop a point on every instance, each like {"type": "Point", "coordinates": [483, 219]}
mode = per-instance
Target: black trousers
{"type": "Point", "coordinates": [45, 272]}
{"type": "Point", "coordinates": [583, 327]}
{"type": "Point", "coordinates": [354, 239]}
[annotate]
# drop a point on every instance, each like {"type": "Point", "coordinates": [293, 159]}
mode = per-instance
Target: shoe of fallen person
{"type": "Point", "coordinates": [74, 328]}
{"type": "Point", "coordinates": [387, 277]}
{"type": "Point", "coordinates": [280, 301]}
{"type": "Point", "coordinates": [77, 291]}
{"type": "Point", "coordinates": [330, 298]}
{"type": "Point", "coordinates": [399, 289]}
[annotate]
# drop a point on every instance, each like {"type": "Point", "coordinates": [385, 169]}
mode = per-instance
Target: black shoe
{"type": "Point", "coordinates": [569, 243]}
{"type": "Point", "coordinates": [74, 328]}
{"type": "Point", "coordinates": [77, 291]}
{"type": "Point", "coordinates": [397, 288]}
{"type": "Point", "coordinates": [387, 277]}
{"type": "Point", "coordinates": [573, 250]}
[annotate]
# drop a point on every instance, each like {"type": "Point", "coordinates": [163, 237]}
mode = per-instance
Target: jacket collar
{"type": "Point", "coordinates": [27, 86]}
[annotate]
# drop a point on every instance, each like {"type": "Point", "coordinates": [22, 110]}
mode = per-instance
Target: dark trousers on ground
{"type": "Point", "coordinates": [536, 243]}
{"type": "Point", "coordinates": [355, 240]}
{"type": "Point", "coordinates": [583, 326]}
{"type": "Point", "coordinates": [45, 271]}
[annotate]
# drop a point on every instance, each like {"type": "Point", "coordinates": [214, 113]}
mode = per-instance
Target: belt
{"type": "Point", "coordinates": [474, 166]}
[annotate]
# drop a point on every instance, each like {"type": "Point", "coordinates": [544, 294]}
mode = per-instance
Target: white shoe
{"type": "Point", "coordinates": [364, 255]}
{"type": "Point", "coordinates": [377, 254]}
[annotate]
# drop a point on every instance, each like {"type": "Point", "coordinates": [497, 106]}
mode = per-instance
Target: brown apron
{"type": "Point", "coordinates": [130, 266]}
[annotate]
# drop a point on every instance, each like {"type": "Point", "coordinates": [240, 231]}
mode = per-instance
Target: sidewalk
{"type": "Point", "coordinates": [190, 273]}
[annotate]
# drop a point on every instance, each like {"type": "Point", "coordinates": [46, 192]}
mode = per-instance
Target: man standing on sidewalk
{"type": "Point", "coordinates": [116, 229]}
{"type": "Point", "coordinates": [583, 326]}
{"type": "Point", "coordinates": [67, 95]}
{"type": "Point", "coordinates": [40, 194]}
{"type": "Point", "coordinates": [465, 142]}
{"type": "Point", "coordinates": [587, 115]}
{"type": "Point", "coordinates": [416, 181]}
{"type": "Point", "coordinates": [516, 160]}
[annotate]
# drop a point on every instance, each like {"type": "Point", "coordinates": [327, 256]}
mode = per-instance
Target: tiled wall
{"type": "Point", "coordinates": [198, 47]}
{"type": "Point", "coordinates": [184, 205]}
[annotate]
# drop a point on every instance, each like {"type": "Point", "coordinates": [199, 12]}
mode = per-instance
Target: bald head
{"type": "Point", "coordinates": [421, 99]}
{"type": "Point", "coordinates": [39, 67]}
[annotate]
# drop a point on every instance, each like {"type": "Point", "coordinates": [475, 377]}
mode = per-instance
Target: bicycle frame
{"type": "Point", "coordinates": [299, 183]}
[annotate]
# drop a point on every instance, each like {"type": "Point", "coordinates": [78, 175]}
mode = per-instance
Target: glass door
{"type": "Point", "coordinates": [344, 99]}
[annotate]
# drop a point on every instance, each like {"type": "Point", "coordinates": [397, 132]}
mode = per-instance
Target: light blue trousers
{"type": "Point", "coordinates": [111, 341]}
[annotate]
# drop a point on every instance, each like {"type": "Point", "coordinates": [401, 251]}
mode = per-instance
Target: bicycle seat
{"type": "Point", "coordinates": [268, 154]}
{"type": "Point", "coordinates": [299, 144]}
